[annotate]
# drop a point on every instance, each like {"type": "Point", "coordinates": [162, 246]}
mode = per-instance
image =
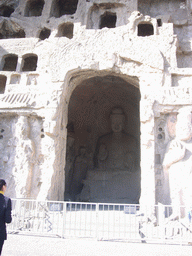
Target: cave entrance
{"type": "Point", "coordinates": [108, 20]}
{"type": "Point", "coordinates": [103, 141]}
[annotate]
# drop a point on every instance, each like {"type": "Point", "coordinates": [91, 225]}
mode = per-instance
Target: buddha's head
{"type": "Point", "coordinates": [117, 120]}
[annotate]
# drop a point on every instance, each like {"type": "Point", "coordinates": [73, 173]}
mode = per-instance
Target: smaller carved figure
{"type": "Point", "coordinates": [178, 162]}
{"type": "Point", "coordinates": [70, 156]}
{"type": "Point", "coordinates": [79, 172]}
{"type": "Point", "coordinates": [69, 162]}
{"type": "Point", "coordinates": [25, 158]}
{"type": "Point", "coordinates": [133, 19]}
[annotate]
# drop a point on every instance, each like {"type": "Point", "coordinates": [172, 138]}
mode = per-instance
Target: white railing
{"type": "Point", "coordinates": [102, 221]}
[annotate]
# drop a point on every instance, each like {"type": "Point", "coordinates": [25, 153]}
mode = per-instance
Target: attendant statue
{"type": "Point", "coordinates": [178, 163]}
{"type": "Point", "coordinates": [24, 158]}
{"type": "Point", "coordinates": [79, 172]}
{"type": "Point", "coordinates": [116, 151]}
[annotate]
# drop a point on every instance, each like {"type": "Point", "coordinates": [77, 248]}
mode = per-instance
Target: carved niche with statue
{"type": "Point", "coordinates": [116, 175]}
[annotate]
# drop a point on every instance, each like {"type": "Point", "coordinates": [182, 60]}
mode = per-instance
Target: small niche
{"type": "Point", "coordinates": [30, 63]}
{"type": "Point", "coordinates": [3, 80]}
{"type": "Point", "coordinates": [44, 34]}
{"type": "Point", "coordinates": [63, 7]}
{"type": "Point", "coordinates": [15, 79]}
{"type": "Point", "coordinates": [32, 80]}
{"type": "Point", "coordinates": [10, 63]}
{"type": "Point", "coordinates": [159, 22]}
{"type": "Point", "coordinates": [108, 19]}
{"type": "Point", "coordinates": [6, 11]}
{"type": "Point", "coordinates": [34, 8]}
{"type": "Point", "coordinates": [145, 29]}
{"type": "Point", "coordinates": [66, 30]}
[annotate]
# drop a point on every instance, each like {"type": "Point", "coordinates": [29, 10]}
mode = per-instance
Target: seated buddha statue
{"type": "Point", "coordinates": [116, 151]}
{"type": "Point", "coordinates": [115, 177]}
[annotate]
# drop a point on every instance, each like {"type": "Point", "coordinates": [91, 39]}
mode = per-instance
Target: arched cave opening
{"type": "Point", "coordinates": [103, 142]}
{"type": "Point", "coordinates": [29, 62]}
{"type": "Point", "coordinates": [66, 30]}
{"type": "Point", "coordinates": [6, 10]}
{"type": "Point", "coordinates": [63, 7]}
{"type": "Point", "coordinates": [44, 34]}
{"type": "Point", "coordinates": [159, 22]}
{"type": "Point", "coordinates": [10, 62]}
{"type": "Point", "coordinates": [108, 19]}
{"type": "Point", "coordinates": [145, 29]}
{"type": "Point", "coordinates": [34, 8]}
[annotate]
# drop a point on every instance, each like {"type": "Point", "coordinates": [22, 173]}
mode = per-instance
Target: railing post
{"type": "Point", "coordinates": [97, 221]}
{"type": "Point", "coordinates": [161, 220]}
{"type": "Point", "coordinates": [64, 219]}
{"type": "Point", "coordinates": [180, 227]}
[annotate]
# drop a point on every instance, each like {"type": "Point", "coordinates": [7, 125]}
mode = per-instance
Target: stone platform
{"type": "Point", "coordinates": [113, 187]}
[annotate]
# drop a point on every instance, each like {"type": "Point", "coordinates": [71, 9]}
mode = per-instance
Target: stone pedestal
{"type": "Point", "coordinates": [111, 187]}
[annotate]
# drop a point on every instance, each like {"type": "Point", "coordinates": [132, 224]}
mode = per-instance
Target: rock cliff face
{"type": "Point", "coordinates": [65, 65]}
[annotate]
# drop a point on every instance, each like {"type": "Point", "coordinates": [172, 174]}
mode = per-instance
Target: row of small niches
{"type": "Point", "coordinates": [28, 63]}
{"type": "Point", "coordinates": [28, 79]}
{"type": "Point", "coordinates": [34, 8]}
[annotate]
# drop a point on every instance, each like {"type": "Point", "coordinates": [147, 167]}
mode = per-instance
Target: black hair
{"type": "Point", "coordinates": [2, 183]}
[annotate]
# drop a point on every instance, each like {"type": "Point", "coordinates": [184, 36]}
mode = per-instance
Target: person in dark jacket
{"type": "Point", "coordinates": [5, 213]}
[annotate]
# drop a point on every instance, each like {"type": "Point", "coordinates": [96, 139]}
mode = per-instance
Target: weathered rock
{"type": "Point", "coordinates": [10, 29]}
{"type": "Point", "coordinates": [63, 70]}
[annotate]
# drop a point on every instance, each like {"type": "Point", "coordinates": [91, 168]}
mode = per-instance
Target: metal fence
{"type": "Point", "coordinates": [157, 223]}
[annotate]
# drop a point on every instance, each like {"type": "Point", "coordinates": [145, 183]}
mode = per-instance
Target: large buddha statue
{"type": "Point", "coordinates": [116, 151]}
{"type": "Point", "coordinates": [116, 175]}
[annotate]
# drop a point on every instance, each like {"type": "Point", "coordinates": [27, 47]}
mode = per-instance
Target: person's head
{"type": "Point", "coordinates": [117, 120]}
{"type": "Point", "coordinates": [3, 185]}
